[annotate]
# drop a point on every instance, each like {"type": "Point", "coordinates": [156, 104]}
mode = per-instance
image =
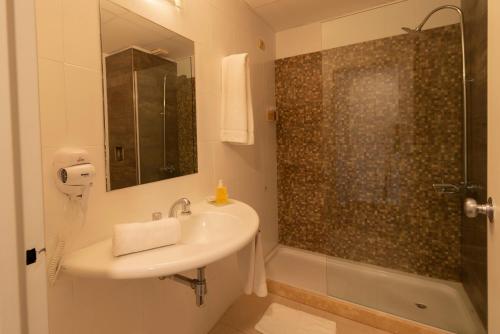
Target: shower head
{"type": "Point", "coordinates": [424, 21]}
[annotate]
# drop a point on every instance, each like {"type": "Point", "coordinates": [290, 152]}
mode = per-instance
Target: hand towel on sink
{"type": "Point", "coordinates": [137, 237]}
{"type": "Point", "coordinates": [236, 105]}
{"type": "Point", "coordinates": [252, 268]}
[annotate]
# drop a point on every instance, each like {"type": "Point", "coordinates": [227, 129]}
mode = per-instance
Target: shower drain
{"type": "Point", "coordinates": [421, 306]}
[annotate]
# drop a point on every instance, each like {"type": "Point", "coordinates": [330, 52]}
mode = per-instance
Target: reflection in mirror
{"type": "Point", "coordinates": [150, 109]}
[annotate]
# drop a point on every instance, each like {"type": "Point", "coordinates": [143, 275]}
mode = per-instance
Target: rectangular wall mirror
{"type": "Point", "coordinates": [149, 99]}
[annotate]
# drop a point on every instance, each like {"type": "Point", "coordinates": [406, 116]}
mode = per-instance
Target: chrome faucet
{"type": "Point", "coordinates": [185, 207]}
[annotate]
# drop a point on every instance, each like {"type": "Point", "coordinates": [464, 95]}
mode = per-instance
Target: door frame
{"type": "Point", "coordinates": [12, 308]}
{"type": "Point", "coordinates": [494, 164]}
{"type": "Point", "coordinates": [23, 292]}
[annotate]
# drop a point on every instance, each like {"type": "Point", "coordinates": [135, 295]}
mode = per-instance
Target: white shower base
{"type": "Point", "coordinates": [447, 306]}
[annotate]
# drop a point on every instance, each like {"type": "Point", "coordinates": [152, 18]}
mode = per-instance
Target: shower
{"type": "Point", "coordinates": [165, 168]}
{"type": "Point", "coordinates": [471, 208]}
{"type": "Point", "coordinates": [377, 137]}
{"type": "Point", "coordinates": [464, 186]}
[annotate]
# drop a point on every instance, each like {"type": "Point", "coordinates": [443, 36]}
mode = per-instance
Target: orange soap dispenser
{"type": "Point", "coordinates": [221, 196]}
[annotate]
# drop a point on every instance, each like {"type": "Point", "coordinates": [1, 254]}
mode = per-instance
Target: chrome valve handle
{"type": "Point", "coordinates": [472, 209]}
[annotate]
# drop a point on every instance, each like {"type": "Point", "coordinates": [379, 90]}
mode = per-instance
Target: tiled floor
{"type": "Point", "coordinates": [246, 312]}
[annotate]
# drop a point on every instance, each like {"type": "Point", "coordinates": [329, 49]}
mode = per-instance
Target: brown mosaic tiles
{"type": "Point", "coordinates": [186, 125]}
{"type": "Point", "coordinates": [364, 132]}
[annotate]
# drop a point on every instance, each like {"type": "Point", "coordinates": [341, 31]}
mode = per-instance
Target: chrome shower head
{"type": "Point", "coordinates": [422, 24]}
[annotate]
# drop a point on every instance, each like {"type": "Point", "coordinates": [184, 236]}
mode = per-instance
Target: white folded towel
{"type": "Point", "coordinates": [237, 110]}
{"type": "Point", "coordinates": [137, 237]}
{"type": "Point", "coordinates": [252, 268]}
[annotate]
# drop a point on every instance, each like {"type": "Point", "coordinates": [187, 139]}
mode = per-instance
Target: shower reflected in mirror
{"type": "Point", "coordinates": [150, 104]}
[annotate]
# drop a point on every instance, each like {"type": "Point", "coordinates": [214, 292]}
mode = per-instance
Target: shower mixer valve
{"type": "Point", "coordinates": [446, 188]}
{"type": "Point", "coordinates": [449, 188]}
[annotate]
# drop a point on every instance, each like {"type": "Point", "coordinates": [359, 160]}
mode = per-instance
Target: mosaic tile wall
{"type": "Point", "coordinates": [186, 125]}
{"type": "Point", "coordinates": [364, 131]}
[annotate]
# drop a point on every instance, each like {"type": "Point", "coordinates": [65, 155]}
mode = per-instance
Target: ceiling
{"type": "Point", "coordinates": [285, 14]}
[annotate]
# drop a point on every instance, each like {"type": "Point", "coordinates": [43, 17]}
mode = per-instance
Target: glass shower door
{"type": "Point", "coordinates": [395, 117]}
{"type": "Point", "coordinates": [156, 116]}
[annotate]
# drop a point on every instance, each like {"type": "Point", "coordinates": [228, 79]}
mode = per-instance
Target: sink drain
{"type": "Point", "coordinates": [421, 306]}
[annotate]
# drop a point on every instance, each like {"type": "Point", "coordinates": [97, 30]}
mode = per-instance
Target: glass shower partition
{"type": "Point", "coordinates": [394, 117]}
{"type": "Point", "coordinates": [156, 114]}
{"type": "Point", "coordinates": [371, 164]}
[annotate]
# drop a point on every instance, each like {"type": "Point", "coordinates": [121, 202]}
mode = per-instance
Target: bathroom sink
{"type": "Point", "coordinates": [210, 233]}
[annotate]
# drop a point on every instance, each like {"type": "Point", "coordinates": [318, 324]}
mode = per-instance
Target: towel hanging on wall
{"type": "Point", "coordinates": [252, 267]}
{"type": "Point", "coordinates": [237, 111]}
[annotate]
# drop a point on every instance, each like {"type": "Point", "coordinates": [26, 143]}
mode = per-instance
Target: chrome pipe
{"type": "Point", "coordinates": [464, 79]}
{"type": "Point", "coordinates": [135, 87]}
{"type": "Point", "coordinates": [164, 115]}
{"type": "Point", "coordinates": [198, 284]}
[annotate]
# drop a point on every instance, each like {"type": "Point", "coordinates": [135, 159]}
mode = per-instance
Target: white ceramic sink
{"type": "Point", "coordinates": [210, 233]}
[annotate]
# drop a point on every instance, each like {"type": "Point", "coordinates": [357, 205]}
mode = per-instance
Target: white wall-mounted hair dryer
{"type": "Point", "coordinates": [73, 171]}
{"type": "Point", "coordinates": [74, 175]}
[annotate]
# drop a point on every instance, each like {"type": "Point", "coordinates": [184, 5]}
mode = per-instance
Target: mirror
{"type": "Point", "coordinates": [149, 99]}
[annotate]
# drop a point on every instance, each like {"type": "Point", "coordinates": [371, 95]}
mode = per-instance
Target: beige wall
{"type": "Point", "coordinates": [299, 40]}
{"type": "Point", "coordinates": [11, 317]}
{"type": "Point", "coordinates": [71, 114]}
{"type": "Point", "coordinates": [380, 22]}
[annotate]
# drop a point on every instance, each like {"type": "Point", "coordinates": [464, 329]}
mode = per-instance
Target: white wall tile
{"type": "Point", "coordinates": [208, 117]}
{"type": "Point", "coordinates": [83, 106]}
{"type": "Point", "coordinates": [61, 311]}
{"type": "Point", "coordinates": [81, 33]}
{"type": "Point", "coordinates": [52, 102]}
{"type": "Point", "coordinates": [55, 203]}
{"type": "Point", "coordinates": [72, 92]}
{"type": "Point", "coordinates": [298, 41]}
{"type": "Point", "coordinates": [107, 306]}
{"type": "Point", "coordinates": [49, 15]}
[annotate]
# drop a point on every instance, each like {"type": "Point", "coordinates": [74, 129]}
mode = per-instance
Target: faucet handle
{"type": "Point", "coordinates": [157, 216]}
{"type": "Point", "coordinates": [186, 206]}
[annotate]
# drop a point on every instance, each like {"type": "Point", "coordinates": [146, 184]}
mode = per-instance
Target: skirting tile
{"type": "Point", "coordinates": [358, 313]}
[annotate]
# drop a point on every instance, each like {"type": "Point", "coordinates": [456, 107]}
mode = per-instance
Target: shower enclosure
{"type": "Point", "coordinates": [372, 171]}
{"type": "Point", "coordinates": [150, 117]}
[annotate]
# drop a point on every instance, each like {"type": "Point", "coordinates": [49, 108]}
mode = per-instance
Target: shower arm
{"type": "Point", "coordinates": [465, 185]}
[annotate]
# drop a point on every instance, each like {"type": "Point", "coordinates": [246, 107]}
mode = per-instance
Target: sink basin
{"type": "Point", "coordinates": [210, 233]}
{"type": "Point", "coordinates": [210, 227]}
